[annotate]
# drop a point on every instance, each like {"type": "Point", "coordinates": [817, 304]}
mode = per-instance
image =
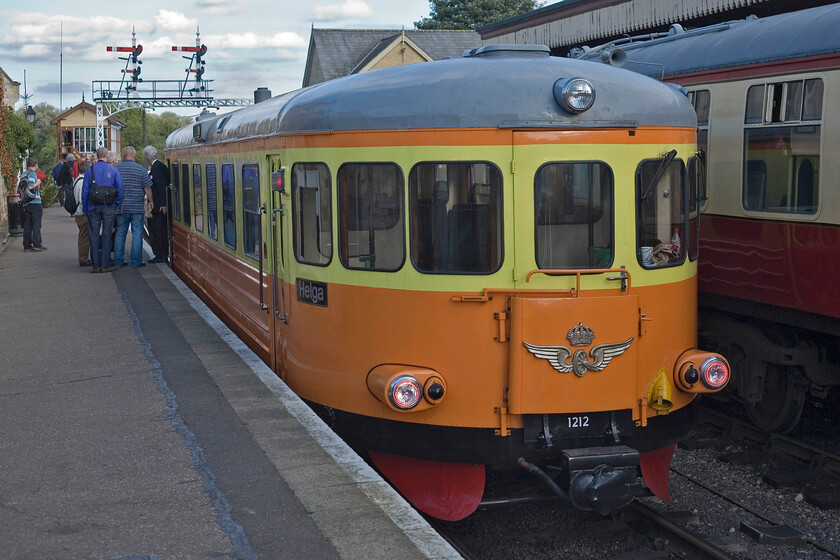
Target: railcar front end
{"type": "Point", "coordinates": [461, 279]}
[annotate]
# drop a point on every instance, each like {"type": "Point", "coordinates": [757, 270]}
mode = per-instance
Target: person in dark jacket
{"type": "Point", "coordinates": [158, 232]}
{"type": "Point", "coordinates": [100, 216]}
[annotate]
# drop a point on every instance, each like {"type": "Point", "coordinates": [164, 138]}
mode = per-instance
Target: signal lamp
{"type": "Point", "coordinates": [405, 392]}
{"type": "Point", "coordinates": [575, 95]}
{"type": "Point", "coordinates": [714, 373]}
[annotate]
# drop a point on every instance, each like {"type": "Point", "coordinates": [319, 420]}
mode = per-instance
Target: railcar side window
{"type": "Point", "coordinates": [573, 215]}
{"type": "Point", "coordinates": [782, 147]}
{"type": "Point", "coordinates": [312, 211]}
{"type": "Point", "coordinates": [176, 192]}
{"type": "Point", "coordinates": [251, 210]}
{"type": "Point", "coordinates": [371, 216]}
{"type": "Point", "coordinates": [229, 205]}
{"type": "Point", "coordinates": [198, 198]}
{"type": "Point", "coordinates": [660, 211]}
{"type": "Point", "coordinates": [456, 217]}
{"type": "Point", "coordinates": [212, 206]}
{"type": "Point", "coordinates": [185, 182]}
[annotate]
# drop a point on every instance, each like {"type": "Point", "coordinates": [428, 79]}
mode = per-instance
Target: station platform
{"type": "Point", "coordinates": [134, 425]}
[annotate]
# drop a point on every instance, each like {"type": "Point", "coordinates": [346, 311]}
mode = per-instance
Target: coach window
{"type": "Point", "coordinates": [701, 100]}
{"type": "Point", "coordinates": [660, 211]}
{"type": "Point", "coordinates": [198, 217]}
{"type": "Point", "coordinates": [229, 205]}
{"type": "Point", "coordinates": [185, 192]}
{"type": "Point", "coordinates": [371, 216]}
{"type": "Point", "coordinates": [782, 147]}
{"type": "Point", "coordinates": [456, 217]}
{"type": "Point", "coordinates": [573, 215]}
{"type": "Point", "coordinates": [212, 205]}
{"type": "Point", "coordinates": [312, 211]}
{"type": "Point", "coordinates": [176, 192]}
{"type": "Point", "coordinates": [251, 210]}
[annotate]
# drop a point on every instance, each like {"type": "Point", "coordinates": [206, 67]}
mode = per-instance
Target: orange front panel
{"type": "Point", "coordinates": [557, 365]}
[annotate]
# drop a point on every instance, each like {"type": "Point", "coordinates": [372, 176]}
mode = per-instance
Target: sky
{"type": "Point", "coordinates": [62, 46]}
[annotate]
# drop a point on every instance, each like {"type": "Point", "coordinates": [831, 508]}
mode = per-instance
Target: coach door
{"type": "Point", "coordinates": [278, 246]}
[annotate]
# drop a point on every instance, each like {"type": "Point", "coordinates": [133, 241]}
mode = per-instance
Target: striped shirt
{"type": "Point", "coordinates": [135, 179]}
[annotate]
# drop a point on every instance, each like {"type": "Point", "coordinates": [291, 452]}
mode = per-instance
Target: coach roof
{"type": "Point", "coordinates": [495, 86]}
{"type": "Point", "coordinates": [805, 33]}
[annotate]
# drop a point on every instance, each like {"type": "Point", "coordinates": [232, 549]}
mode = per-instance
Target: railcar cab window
{"type": "Point", "coordinates": [198, 220]}
{"type": "Point", "coordinates": [312, 212]}
{"type": "Point", "coordinates": [371, 216]}
{"type": "Point", "coordinates": [660, 211]}
{"type": "Point", "coordinates": [185, 192]}
{"type": "Point", "coordinates": [229, 205]}
{"type": "Point", "coordinates": [696, 178]}
{"type": "Point", "coordinates": [212, 205]}
{"type": "Point", "coordinates": [573, 215]}
{"type": "Point", "coordinates": [176, 192]}
{"type": "Point", "coordinates": [456, 217]}
{"type": "Point", "coordinates": [251, 210]}
{"type": "Point", "coordinates": [782, 147]}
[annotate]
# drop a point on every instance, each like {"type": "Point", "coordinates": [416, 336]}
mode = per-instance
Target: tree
{"type": "Point", "coordinates": [469, 14]}
{"type": "Point", "coordinates": [158, 127]}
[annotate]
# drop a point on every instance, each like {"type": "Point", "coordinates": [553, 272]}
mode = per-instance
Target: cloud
{"type": "Point", "coordinates": [220, 7]}
{"type": "Point", "coordinates": [348, 10]}
{"type": "Point", "coordinates": [68, 87]}
{"type": "Point", "coordinates": [249, 40]}
{"type": "Point", "coordinates": [175, 20]}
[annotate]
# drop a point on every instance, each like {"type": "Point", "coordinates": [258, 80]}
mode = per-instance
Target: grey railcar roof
{"type": "Point", "coordinates": [801, 34]}
{"type": "Point", "coordinates": [508, 91]}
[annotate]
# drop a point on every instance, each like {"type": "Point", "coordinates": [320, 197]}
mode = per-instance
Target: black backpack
{"type": "Point", "coordinates": [70, 203]}
{"type": "Point", "coordinates": [26, 196]}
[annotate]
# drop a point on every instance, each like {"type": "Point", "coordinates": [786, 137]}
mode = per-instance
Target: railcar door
{"type": "Point", "coordinates": [278, 244]}
{"type": "Point", "coordinates": [574, 320]}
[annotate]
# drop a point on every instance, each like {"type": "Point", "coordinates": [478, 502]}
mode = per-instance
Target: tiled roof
{"type": "Point", "coordinates": [334, 53]}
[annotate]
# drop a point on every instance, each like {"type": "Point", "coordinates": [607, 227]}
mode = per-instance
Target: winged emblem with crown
{"type": "Point", "coordinates": [581, 335]}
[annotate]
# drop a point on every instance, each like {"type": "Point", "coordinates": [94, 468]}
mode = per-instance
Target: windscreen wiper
{"type": "Point", "coordinates": [663, 165]}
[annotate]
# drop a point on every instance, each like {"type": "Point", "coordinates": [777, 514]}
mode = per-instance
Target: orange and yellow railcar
{"type": "Point", "coordinates": [484, 262]}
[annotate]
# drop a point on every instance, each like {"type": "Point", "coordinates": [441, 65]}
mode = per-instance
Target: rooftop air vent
{"type": "Point", "coordinates": [509, 50]}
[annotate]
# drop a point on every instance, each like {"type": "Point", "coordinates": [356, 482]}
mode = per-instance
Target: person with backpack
{"type": "Point", "coordinates": [32, 209]}
{"type": "Point", "coordinates": [79, 216]}
{"type": "Point", "coordinates": [100, 208]}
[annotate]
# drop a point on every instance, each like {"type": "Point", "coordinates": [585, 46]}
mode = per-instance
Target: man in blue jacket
{"type": "Point", "coordinates": [100, 216]}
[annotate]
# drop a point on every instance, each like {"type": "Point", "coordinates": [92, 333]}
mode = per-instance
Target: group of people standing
{"type": "Point", "coordinates": [96, 222]}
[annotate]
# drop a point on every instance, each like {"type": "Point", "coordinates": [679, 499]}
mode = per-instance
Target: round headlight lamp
{"type": "Point", "coordinates": [575, 95]}
{"type": "Point", "coordinates": [714, 373]}
{"type": "Point", "coordinates": [405, 392]}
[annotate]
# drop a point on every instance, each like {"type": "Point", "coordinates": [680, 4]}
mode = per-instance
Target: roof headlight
{"type": "Point", "coordinates": [575, 95]}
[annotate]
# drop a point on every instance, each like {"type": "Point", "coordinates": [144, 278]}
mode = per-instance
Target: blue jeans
{"type": "Point", "coordinates": [100, 225]}
{"type": "Point", "coordinates": [135, 219]}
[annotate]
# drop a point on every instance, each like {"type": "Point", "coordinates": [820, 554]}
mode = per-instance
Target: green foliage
{"type": "Point", "coordinates": [158, 127]}
{"type": "Point", "coordinates": [469, 14]}
{"type": "Point", "coordinates": [19, 138]}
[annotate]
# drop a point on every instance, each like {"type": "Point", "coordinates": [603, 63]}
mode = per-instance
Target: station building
{"type": "Point", "coordinates": [75, 131]}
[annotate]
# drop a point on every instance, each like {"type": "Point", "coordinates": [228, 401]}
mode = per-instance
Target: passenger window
{"type": "Point", "coordinates": [660, 211]}
{"type": "Point", "coordinates": [212, 205]}
{"type": "Point", "coordinates": [185, 181]}
{"type": "Point", "coordinates": [456, 217]}
{"type": "Point", "coordinates": [573, 215]}
{"type": "Point", "coordinates": [251, 233]}
{"type": "Point", "coordinates": [312, 211]}
{"type": "Point", "coordinates": [176, 192]}
{"type": "Point", "coordinates": [197, 198]}
{"type": "Point", "coordinates": [371, 216]}
{"type": "Point", "coordinates": [782, 149]}
{"type": "Point", "coordinates": [229, 205]}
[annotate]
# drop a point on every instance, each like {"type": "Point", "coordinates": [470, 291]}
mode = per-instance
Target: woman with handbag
{"type": "Point", "coordinates": [102, 192]}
